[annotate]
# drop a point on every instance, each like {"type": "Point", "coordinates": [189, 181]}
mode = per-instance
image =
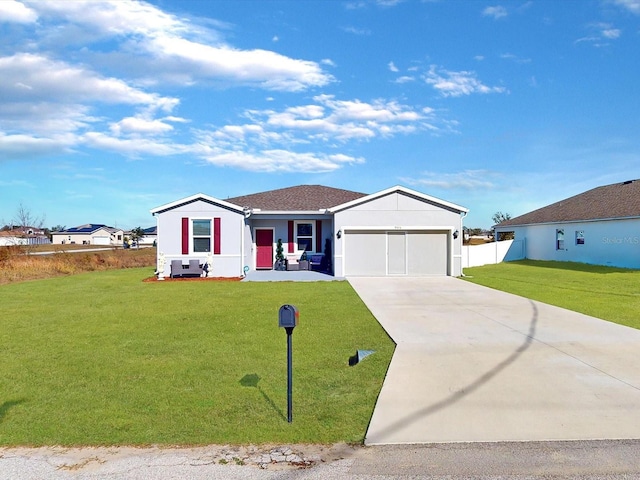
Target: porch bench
{"type": "Point", "coordinates": [178, 269]}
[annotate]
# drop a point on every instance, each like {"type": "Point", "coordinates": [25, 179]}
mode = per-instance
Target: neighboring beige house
{"type": "Point", "coordinates": [395, 232]}
{"type": "Point", "coordinates": [89, 234]}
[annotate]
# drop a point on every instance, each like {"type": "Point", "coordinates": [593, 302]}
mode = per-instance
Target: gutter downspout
{"type": "Point", "coordinates": [243, 226]}
{"type": "Point", "coordinates": [464, 214]}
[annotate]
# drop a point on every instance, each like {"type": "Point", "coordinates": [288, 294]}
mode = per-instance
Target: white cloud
{"type": "Point", "coordinates": [456, 84]}
{"type": "Point", "coordinates": [262, 67]}
{"type": "Point", "coordinates": [32, 78]}
{"type": "Point", "coordinates": [496, 12]}
{"type": "Point", "coordinates": [467, 179]}
{"type": "Point", "coordinates": [357, 31]}
{"type": "Point", "coordinates": [139, 125]}
{"type": "Point", "coordinates": [174, 48]}
{"type": "Point", "coordinates": [393, 67]}
{"type": "Point", "coordinates": [327, 122]}
{"type": "Point", "coordinates": [131, 146]}
{"type": "Point", "coordinates": [21, 145]}
{"type": "Point", "coordinates": [515, 58]}
{"type": "Point", "coordinates": [602, 32]}
{"type": "Point", "coordinates": [280, 161]}
{"type": "Point", "coordinates": [611, 33]}
{"type": "Point", "coordinates": [632, 5]}
{"type": "Point", "coordinates": [404, 79]}
{"type": "Point", "coordinates": [14, 11]}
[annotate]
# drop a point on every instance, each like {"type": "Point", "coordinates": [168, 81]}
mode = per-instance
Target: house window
{"type": "Point", "coordinates": [201, 235]}
{"type": "Point", "coordinates": [579, 237]}
{"type": "Point", "coordinates": [560, 239]}
{"type": "Point", "coordinates": [304, 236]}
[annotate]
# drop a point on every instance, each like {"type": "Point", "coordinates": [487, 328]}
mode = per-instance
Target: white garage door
{"type": "Point", "coordinates": [100, 240]}
{"type": "Point", "coordinates": [382, 253]}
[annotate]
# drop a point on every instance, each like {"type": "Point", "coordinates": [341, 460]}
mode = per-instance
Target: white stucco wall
{"type": "Point", "coordinates": [114, 239]}
{"type": "Point", "coordinates": [400, 212]}
{"type": "Point", "coordinates": [230, 261]}
{"type": "Point", "coordinates": [613, 243]}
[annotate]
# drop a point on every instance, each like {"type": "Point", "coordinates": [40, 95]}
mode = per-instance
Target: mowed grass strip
{"type": "Point", "coordinates": [103, 359]}
{"type": "Point", "coordinates": [612, 294]}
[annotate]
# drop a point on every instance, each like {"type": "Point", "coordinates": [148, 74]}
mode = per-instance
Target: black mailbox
{"type": "Point", "coordinates": [288, 316]}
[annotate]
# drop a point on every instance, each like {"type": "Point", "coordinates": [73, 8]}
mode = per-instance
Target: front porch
{"type": "Point", "coordinates": [288, 276]}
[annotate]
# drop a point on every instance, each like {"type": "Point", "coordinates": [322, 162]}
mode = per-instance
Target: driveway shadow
{"type": "Point", "coordinates": [472, 387]}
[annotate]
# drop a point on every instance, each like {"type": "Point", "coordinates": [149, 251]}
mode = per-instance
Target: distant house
{"type": "Point", "coordinates": [394, 232]}
{"type": "Point", "coordinates": [89, 234]}
{"type": "Point", "coordinates": [13, 235]}
{"type": "Point", "coordinates": [600, 227]}
{"type": "Point", "coordinates": [150, 236]}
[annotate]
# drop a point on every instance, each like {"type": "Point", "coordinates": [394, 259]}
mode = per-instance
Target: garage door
{"type": "Point", "coordinates": [382, 253]}
{"type": "Point", "coordinates": [97, 240]}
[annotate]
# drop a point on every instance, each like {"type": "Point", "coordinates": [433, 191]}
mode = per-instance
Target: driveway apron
{"type": "Point", "coordinates": [473, 364]}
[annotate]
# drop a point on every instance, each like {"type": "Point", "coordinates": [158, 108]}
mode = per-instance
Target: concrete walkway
{"type": "Point", "coordinates": [474, 364]}
{"type": "Point", "coordinates": [288, 276]}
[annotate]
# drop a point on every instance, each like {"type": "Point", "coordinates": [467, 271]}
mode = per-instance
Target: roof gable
{"type": "Point", "coordinates": [299, 198]}
{"type": "Point", "coordinates": [405, 191]}
{"type": "Point", "coordinates": [195, 198]}
{"type": "Point", "coordinates": [618, 200]}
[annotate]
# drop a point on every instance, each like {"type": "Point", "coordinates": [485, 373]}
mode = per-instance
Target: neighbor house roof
{"type": "Point", "coordinates": [87, 228]}
{"type": "Point", "coordinates": [618, 200]}
{"type": "Point", "coordinates": [300, 198]}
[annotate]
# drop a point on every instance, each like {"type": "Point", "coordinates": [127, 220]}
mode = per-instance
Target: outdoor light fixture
{"type": "Point", "coordinates": [455, 234]}
{"type": "Point", "coordinates": [339, 234]}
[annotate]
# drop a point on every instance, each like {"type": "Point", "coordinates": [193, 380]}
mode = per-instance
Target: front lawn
{"type": "Point", "coordinates": [609, 293]}
{"type": "Point", "coordinates": [103, 358]}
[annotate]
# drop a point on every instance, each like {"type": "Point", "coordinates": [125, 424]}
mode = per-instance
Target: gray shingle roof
{"type": "Point", "coordinates": [618, 200]}
{"type": "Point", "coordinates": [300, 198]}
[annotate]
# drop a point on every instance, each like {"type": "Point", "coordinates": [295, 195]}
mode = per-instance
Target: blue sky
{"type": "Point", "coordinates": [111, 108]}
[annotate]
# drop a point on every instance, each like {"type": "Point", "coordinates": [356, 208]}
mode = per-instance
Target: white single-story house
{"type": "Point", "coordinates": [600, 226]}
{"type": "Point", "coordinates": [150, 236]}
{"type": "Point", "coordinates": [23, 236]}
{"type": "Point", "coordinates": [89, 234]}
{"type": "Point", "coordinates": [397, 231]}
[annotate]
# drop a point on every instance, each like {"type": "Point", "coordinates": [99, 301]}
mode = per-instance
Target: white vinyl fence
{"type": "Point", "coordinates": [491, 253]}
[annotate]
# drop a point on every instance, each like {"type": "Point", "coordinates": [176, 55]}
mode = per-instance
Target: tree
{"type": "Point", "coordinates": [136, 234]}
{"type": "Point", "coordinates": [498, 218]}
{"type": "Point", "coordinates": [24, 223]}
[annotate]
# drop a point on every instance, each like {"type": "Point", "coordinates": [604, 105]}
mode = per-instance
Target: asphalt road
{"type": "Point", "coordinates": [594, 459]}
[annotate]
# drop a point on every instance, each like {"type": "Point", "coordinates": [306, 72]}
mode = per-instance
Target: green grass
{"type": "Point", "coordinates": [104, 359]}
{"type": "Point", "coordinates": [612, 294]}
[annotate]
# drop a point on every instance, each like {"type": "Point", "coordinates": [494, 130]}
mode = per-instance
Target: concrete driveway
{"type": "Point", "coordinates": [474, 364]}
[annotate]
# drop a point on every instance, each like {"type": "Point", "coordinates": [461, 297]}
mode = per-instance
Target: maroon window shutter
{"type": "Point", "coordinates": [291, 250]}
{"type": "Point", "coordinates": [318, 236]}
{"type": "Point", "coordinates": [216, 236]}
{"type": "Point", "coordinates": [185, 236]}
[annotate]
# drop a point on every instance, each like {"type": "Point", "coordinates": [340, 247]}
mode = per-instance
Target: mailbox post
{"type": "Point", "coordinates": [288, 316]}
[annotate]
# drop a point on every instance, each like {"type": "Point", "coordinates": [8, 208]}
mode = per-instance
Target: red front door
{"type": "Point", "coordinates": [264, 248]}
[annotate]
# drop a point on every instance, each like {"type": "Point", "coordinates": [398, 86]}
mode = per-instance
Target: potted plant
{"type": "Point", "coordinates": [281, 263]}
{"type": "Point", "coordinates": [325, 263]}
